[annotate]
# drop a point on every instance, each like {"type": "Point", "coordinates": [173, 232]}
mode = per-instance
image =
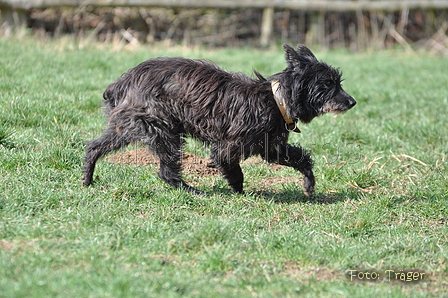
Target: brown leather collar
{"type": "Point", "coordinates": [280, 101]}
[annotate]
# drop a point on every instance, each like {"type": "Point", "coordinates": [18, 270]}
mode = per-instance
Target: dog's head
{"type": "Point", "coordinates": [310, 87]}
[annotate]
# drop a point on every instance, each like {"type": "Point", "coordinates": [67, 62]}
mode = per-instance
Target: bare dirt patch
{"type": "Point", "coordinates": [6, 245]}
{"type": "Point", "coordinates": [137, 157]}
{"type": "Point", "coordinates": [20, 244]}
{"type": "Point", "coordinates": [191, 164]}
{"type": "Point", "coordinates": [196, 168]}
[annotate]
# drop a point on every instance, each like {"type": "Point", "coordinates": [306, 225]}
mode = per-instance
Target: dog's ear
{"type": "Point", "coordinates": [304, 51]}
{"type": "Point", "coordinates": [292, 57]}
{"type": "Point", "coordinates": [298, 59]}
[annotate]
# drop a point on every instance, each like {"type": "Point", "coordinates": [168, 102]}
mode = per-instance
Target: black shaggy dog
{"type": "Point", "coordinates": [162, 100]}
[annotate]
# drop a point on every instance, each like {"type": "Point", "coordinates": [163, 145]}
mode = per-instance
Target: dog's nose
{"type": "Point", "coordinates": [352, 102]}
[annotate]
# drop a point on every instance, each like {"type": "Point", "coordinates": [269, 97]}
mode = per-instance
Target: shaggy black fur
{"type": "Point", "coordinates": [162, 100]}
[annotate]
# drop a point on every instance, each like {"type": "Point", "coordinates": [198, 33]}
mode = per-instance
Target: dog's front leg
{"type": "Point", "coordinates": [298, 159]}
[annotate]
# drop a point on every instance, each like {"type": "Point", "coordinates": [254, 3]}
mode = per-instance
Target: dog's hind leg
{"type": "Point", "coordinates": [125, 126]}
{"type": "Point", "coordinates": [110, 141]}
{"type": "Point", "coordinates": [226, 159]}
{"type": "Point", "coordinates": [298, 159]}
{"type": "Point", "coordinates": [169, 150]}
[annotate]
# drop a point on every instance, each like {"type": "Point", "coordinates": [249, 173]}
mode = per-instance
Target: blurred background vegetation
{"type": "Point", "coordinates": [358, 25]}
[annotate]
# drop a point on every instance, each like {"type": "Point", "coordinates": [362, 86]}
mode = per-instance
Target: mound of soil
{"type": "Point", "coordinates": [197, 167]}
{"type": "Point", "coordinates": [191, 164]}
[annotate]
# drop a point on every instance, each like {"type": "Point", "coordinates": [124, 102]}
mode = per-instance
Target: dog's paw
{"type": "Point", "coordinates": [308, 185]}
{"type": "Point", "coordinates": [191, 189]}
{"type": "Point", "coordinates": [308, 193]}
{"type": "Point", "coordinates": [86, 182]}
{"type": "Point", "coordinates": [212, 165]}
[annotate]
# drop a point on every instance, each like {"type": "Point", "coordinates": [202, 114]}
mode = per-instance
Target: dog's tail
{"type": "Point", "coordinates": [112, 96]}
{"type": "Point", "coordinates": [115, 94]}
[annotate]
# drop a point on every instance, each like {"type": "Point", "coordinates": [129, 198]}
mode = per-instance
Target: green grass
{"type": "Point", "coordinates": [381, 198]}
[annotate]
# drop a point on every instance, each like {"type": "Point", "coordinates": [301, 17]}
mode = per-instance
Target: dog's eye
{"type": "Point", "coordinates": [328, 83]}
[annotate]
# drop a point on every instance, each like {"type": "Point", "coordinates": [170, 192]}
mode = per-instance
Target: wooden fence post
{"type": "Point", "coordinates": [316, 31]}
{"type": "Point", "coordinates": [267, 23]}
{"type": "Point", "coordinates": [11, 19]}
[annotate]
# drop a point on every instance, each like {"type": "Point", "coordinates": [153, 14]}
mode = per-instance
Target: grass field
{"type": "Point", "coordinates": [381, 198]}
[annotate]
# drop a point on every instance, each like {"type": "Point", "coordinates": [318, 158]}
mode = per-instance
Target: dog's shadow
{"type": "Point", "coordinates": [290, 196]}
{"type": "Point", "coordinates": [297, 196]}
